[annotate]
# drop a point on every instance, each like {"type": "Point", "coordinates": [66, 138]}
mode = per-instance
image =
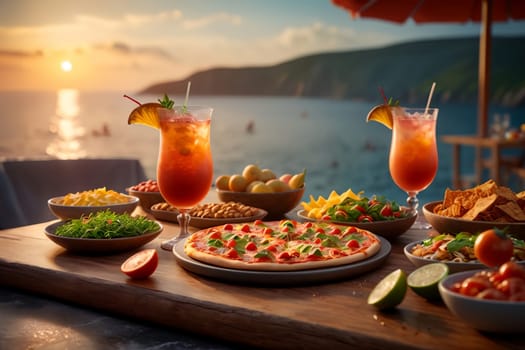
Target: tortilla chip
{"type": "Point", "coordinates": [486, 188]}
{"type": "Point", "coordinates": [506, 193]}
{"type": "Point", "coordinates": [455, 210]}
{"type": "Point", "coordinates": [450, 197]}
{"type": "Point", "coordinates": [485, 202]}
{"type": "Point", "coordinates": [513, 210]}
{"type": "Point", "coordinates": [482, 205]}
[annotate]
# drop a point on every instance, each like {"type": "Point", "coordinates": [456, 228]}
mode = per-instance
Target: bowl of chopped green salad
{"type": "Point", "coordinates": [377, 214]}
{"type": "Point", "coordinates": [103, 232]}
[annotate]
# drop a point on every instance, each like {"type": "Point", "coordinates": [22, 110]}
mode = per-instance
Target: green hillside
{"type": "Point", "coordinates": [405, 71]}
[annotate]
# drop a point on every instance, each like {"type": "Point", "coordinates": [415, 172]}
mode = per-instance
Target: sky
{"type": "Point", "coordinates": [131, 44]}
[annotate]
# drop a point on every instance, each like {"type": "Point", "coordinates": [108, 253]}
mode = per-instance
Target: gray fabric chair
{"type": "Point", "coordinates": [26, 185]}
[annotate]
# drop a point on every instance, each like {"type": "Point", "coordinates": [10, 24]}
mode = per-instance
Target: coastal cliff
{"type": "Point", "coordinates": [405, 71]}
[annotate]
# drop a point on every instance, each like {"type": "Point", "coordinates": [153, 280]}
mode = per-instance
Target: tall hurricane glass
{"type": "Point", "coordinates": [185, 166]}
{"type": "Point", "coordinates": [413, 159]}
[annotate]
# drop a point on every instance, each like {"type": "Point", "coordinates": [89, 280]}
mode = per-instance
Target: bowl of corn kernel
{"type": "Point", "coordinates": [76, 205]}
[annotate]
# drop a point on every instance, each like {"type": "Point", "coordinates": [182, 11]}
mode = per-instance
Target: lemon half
{"type": "Point", "coordinates": [145, 114]}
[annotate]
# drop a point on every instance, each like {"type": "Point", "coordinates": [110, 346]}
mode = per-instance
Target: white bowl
{"type": "Point", "coordinates": [484, 315]}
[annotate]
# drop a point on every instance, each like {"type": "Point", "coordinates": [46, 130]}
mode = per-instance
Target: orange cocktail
{"type": "Point", "coordinates": [185, 166]}
{"type": "Point", "coordinates": [413, 153]}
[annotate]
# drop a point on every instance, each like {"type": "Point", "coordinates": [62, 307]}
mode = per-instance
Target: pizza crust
{"type": "Point", "coordinates": [220, 261]}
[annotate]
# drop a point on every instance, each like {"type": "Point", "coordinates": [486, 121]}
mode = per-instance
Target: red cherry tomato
{"type": "Point", "coordinates": [335, 231]}
{"type": "Point", "coordinates": [493, 247]}
{"type": "Point", "coordinates": [267, 231]}
{"type": "Point", "coordinates": [231, 243]}
{"type": "Point", "coordinates": [365, 218]}
{"type": "Point", "coordinates": [512, 286]}
{"type": "Point", "coordinates": [472, 286]}
{"type": "Point", "coordinates": [506, 283]}
{"type": "Point", "coordinates": [386, 210]}
{"type": "Point", "coordinates": [350, 229]}
{"type": "Point", "coordinates": [283, 256]}
{"type": "Point", "coordinates": [250, 246]}
{"type": "Point", "coordinates": [352, 244]}
{"type": "Point", "coordinates": [232, 254]}
{"type": "Point", "coordinates": [491, 293]}
{"type": "Point", "coordinates": [141, 265]}
{"type": "Point", "coordinates": [511, 269]}
{"type": "Point", "coordinates": [358, 208]}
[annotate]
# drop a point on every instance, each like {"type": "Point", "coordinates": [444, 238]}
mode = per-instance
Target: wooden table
{"type": "Point", "coordinates": [494, 145]}
{"type": "Point", "coordinates": [331, 315]}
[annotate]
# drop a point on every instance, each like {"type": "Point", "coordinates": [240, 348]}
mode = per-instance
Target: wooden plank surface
{"type": "Point", "coordinates": [329, 315]}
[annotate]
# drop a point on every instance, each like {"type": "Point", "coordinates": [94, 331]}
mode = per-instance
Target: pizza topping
{"type": "Point", "coordinates": [352, 244]}
{"type": "Point", "coordinates": [282, 242]}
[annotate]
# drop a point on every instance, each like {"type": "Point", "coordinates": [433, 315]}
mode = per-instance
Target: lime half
{"type": "Point", "coordinates": [425, 279]}
{"type": "Point", "coordinates": [390, 291]}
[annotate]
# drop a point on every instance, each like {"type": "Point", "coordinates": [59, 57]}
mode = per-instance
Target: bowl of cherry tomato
{"type": "Point", "coordinates": [491, 300]}
{"type": "Point", "coordinates": [147, 192]}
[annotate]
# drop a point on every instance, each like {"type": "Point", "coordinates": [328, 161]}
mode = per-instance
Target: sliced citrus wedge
{"type": "Point", "coordinates": [145, 114]}
{"type": "Point", "coordinates": [381, 114]}
{"type": "Point", "coordinates": [390, 291]}
{"type": "Point", "coordinates": [425, 280]}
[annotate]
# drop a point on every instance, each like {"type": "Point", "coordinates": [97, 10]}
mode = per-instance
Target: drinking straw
{"type": "Point", "coordinates": [187, 94]}
{"type": "Point", "coordinates": [430, 96]}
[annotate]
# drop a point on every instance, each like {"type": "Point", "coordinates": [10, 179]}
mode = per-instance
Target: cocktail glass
{"type": "Point", "coordinates": [185, 166]}
{"type": "Point", "coordinates": [413, 159]}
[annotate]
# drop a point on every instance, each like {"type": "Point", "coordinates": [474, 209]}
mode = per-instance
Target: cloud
{"type": "Point", "coordinates": [91, 28]}
{"type": "Point", "coordinates": [206, 21]}
{"type": "Point", "coordinates": [122, 48]}
{"type": "Point", "coordinates": [21, 53]}
{"type": "Point", "coordinates": [142, 19]}
{"type": "Point", "coordinates": [317, 35]}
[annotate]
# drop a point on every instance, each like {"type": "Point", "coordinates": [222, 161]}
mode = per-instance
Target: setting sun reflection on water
{"type": "Point", "coordinates": [66, 127]}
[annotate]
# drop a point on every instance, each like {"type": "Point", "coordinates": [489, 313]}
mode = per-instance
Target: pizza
{"type": "Point", "coordinates": [285, 245]}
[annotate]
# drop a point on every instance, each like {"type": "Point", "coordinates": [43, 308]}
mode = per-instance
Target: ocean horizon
{"type": "Point", "coordinates": [328, 138]}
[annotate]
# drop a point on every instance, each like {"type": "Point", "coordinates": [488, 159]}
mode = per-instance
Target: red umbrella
{"type": "Point", "coordinates": [438, 11]}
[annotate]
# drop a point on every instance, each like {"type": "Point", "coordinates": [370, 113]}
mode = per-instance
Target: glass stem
{"type": "Point", "coordinates": [184, 219]}
{"type": "Point", "coordinates": [413, 202]}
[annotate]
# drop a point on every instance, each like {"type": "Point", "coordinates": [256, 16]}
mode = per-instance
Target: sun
{"type": "Point", "coordinates": [66, 66]}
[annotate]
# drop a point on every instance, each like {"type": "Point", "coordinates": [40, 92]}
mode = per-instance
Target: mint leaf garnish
{"type": "Point", "coordinates": [166, 102]}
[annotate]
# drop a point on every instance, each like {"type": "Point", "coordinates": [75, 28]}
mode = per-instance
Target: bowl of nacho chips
{"type": "Point", "coordinates": [478, 209]}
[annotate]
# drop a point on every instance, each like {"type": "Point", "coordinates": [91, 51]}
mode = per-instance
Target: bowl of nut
{"type": "Point", "coordinates": [147, 192]}
{"type": "Point", "coordinates": [210, 214]}
{"type": "Point", "coordinates": [261, 188]}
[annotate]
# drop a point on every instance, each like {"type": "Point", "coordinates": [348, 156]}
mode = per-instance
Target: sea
{"type": "Point", "coordinates": [330, 139]}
